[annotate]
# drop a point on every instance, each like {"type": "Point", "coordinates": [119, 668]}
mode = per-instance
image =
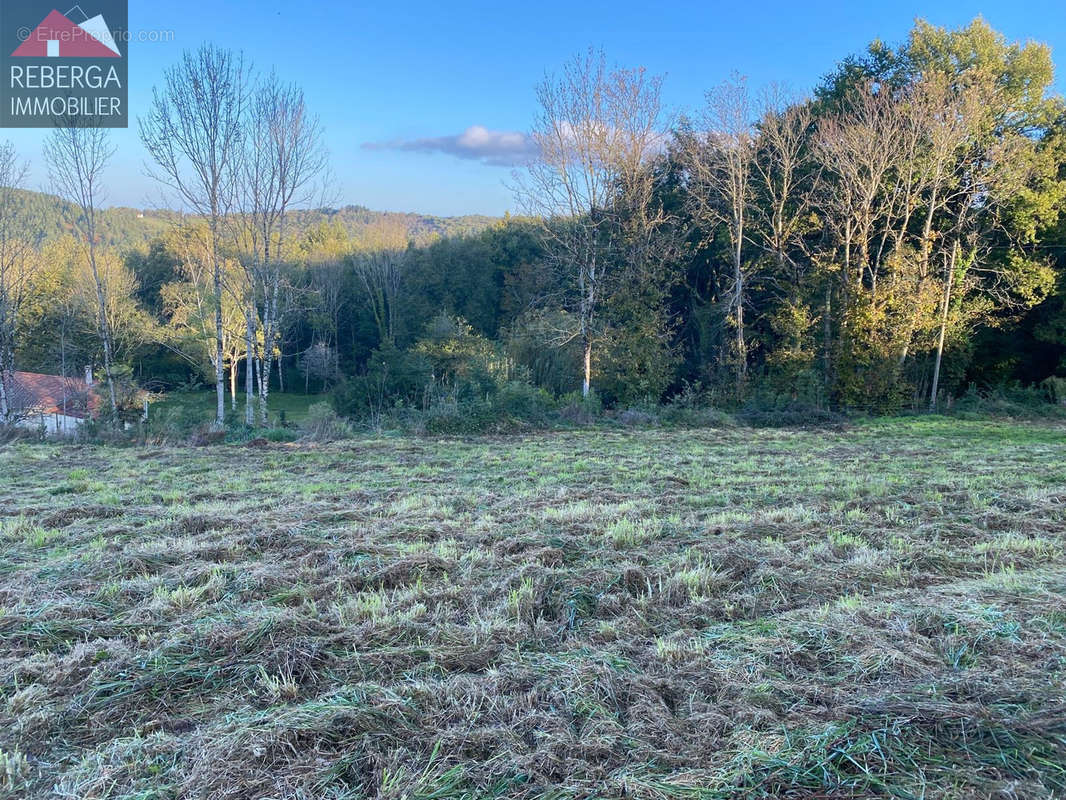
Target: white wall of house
{"type": "Point", "coordinates": [53, 424]}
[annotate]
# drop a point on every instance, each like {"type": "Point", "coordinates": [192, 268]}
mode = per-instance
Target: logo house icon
{"type": "Point", "coordinates": [58, 37]}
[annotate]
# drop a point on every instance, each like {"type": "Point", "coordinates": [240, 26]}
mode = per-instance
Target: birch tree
{"type": "Point", "coordinates": [194, 132]}
{"type": "Point", "coordinates": [718, 157]}
{"type": "Point", "coordinates": [286, 166]}
{"type": "Point", "coordinates": [77, 156]}
{"type": "Point", "coordinates": [597, 131]}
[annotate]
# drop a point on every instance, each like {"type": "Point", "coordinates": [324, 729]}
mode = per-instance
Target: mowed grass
{"type": "Point", "coordinates": [878, 611]}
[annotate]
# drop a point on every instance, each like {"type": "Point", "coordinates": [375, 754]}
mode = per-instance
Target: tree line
{"type": "Point", "coordinates": [878, 245]}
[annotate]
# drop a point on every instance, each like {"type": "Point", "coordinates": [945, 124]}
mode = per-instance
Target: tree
{"type": "Point", "coordinates": [189, 305]}
{"type": "Point", "coordinates": [16, 267]}
{"type": "Point", "coordinates": [379, 265]}
{"type": "Point", "coordinates": [597, 131]}
{"type": "Point", "coordinates": [77, 156]}
{"type": "Point", "coordinates": [952, 136]}
{"type": "Point", "coordinates": [194, 133]}
{"type": "Point", "coordinates": [784, 180]}
{"type": "Point", "coordinates": [285, 166]}
{"type": "Point", "coordinates": [319, 361]}
{"type": "Point", "coordinates": [719, 161]}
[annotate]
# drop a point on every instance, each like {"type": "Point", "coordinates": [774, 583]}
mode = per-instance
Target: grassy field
{"type": "Point", "coordinates": [200, 405]}
{"type": "Point", "coordinates": [878, 611]}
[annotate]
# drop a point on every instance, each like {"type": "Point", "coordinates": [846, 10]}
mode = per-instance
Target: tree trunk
{"type": "Point", "coordinates": [233, 382]}
{"type": "Point", "coordinates": [270, 308]}
{"type": "Point", "coordinates": [5, 409]}
{"type": "Point", "coordinates": [249, 367]}
{"type": "Point", "coordinates": [738, 306]}
{"type": "Point", "coordinates": [220, 385]}
{"type": "Point", "coordinates": [741, 343]}
{"type": "Point", "coordinates": [586, 384]}
{"type": "Point", "coordinates": [827, 336]}
{"type": "Point", "coordinates": [105, 329]}
{"type": "Point", "coordinates": [259, 382]}
{"type": "Point", "coordinates": [943, 328]}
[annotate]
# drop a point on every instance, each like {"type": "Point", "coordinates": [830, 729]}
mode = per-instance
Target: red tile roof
{"type": "Point", "coordinates": [33, 393]}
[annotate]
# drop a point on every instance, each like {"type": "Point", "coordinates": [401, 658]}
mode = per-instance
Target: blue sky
{"type": "Point", "coordinates": [412, 76]}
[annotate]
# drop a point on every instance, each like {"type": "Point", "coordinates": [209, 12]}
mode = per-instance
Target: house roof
{"type": "Point", "coordinates": [34, 393]}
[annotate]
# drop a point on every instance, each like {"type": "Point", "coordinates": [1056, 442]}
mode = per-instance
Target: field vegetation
{"type": "Point", "coordinates": [874, 610]}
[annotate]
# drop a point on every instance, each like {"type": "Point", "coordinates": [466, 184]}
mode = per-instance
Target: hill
{"type": "Point", "coordinates": [131, 228]}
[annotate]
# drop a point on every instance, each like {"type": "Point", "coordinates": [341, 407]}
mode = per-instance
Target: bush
{"type": "Point", "coordinates": [765, 407]}
{"type": "Point", "coordinates": [573, 407]}
{"type": "Point", "coordinates": [453, 419]}
{"type": "Point", "coordinates": [696, 417]}
{"type": "Point", "coordinates": [1055, 390]}
{"type": "Point", "coordinates": [793, 415]}
{"type": "Point", "coordinates": [463, 365]}
{"type": "Point", "coordinates": [393, 378]}
{"type": "Point", "coordinates": [13, 433]}
{"type": "Point", "coordinates": [280, 435]}
{"type": "Point", "coordinates": [324, 425]}
{"type": "Point", "coordinates": [692, 407]}
{"type": "Point", "coordinates": [524, 401]}
{"type": "Point", "coordinates": [1011, 400]}
{"type": "Point", "coordinates": [638, 418]}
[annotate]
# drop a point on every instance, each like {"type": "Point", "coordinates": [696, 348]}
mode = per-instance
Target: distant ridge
{"type": "Point", "coordinates": [130, 228]}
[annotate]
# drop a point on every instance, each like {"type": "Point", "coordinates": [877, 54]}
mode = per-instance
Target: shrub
{"type": "Point", "coordinates": [638, 418]}
{"type": "Point", "coordinates": [1055, 389]}
{"type": "Point", "coordinates": [280, 435]}
{"type": "Point", "coordinates": [793, 415]}
{"type": "Point", "coordinates": [453, 419]}
{"type": "Point", "coordinates": [12, 433]}
{"type": "Point", "coordinates": [581, 410]}
{"type": "Point", "coordinates": [765, 407]}
{"type": "Point", "coordinates": [1010, 400]}
{"type": "Point", "coordinates": [693, 407]}
{"type": "Point", "coordinates": [463, 365]}
{"type": "Point", "coordinates": [524, 401]}
{"type": "Point", "coordinates": [393, 378]}
{"type": "Point", "coordinates": [322, 424]}
{"type": "Point", "coordinates": [696, 417]}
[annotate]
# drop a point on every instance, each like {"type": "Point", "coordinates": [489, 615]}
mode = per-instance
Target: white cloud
{"type": "Point", "coordinates": [478, 143]}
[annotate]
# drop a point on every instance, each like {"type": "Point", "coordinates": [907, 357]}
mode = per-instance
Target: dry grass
{"type": "Point", "coordinates": [872, 612]}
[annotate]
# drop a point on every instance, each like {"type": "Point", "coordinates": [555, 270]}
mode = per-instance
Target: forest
{"type": "Point", "coordinates": [891, 243]}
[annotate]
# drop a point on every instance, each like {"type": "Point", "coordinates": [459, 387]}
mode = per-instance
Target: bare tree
{"type": "Point", "coordinates": [784, 177]}
{"type": "Point", "coordinates": [194, 134]}
{"type": "Point", "coordinates": [597, 131]}
{"type": "Point", "coordinates": [77, 156]}
{"type": "Point", "coordinates": [719, 162]}
{"type": "Point", "coordinates": [860, 151]}
{"type": "Point", "coordinates": [379, 267]}
{"type": "Point", "coordinates": [16, 267]}
{"type": "Point", "coordinates": [286, 166]}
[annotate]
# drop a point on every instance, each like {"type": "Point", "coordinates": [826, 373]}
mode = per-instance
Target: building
{"type": "Point", "coordinates": [59, 405]}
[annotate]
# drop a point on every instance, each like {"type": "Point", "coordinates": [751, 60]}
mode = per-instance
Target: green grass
{"type": "Point", "coordinates": [867, 612]}
{"type": "Point", "coordinates": [201, 405]}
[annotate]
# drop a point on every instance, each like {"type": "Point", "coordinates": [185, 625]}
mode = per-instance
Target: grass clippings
{"type": "Point", "coordinates": [879, 611]}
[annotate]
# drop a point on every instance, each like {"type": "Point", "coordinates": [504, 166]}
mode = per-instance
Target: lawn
{"type": "Point", "coordinates": [200, 405]}
{"type": "Point", "coordinates": [876, 611]}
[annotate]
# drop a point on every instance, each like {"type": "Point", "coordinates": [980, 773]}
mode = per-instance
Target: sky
{"type": "Point", "coordinates": [424, 103]}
